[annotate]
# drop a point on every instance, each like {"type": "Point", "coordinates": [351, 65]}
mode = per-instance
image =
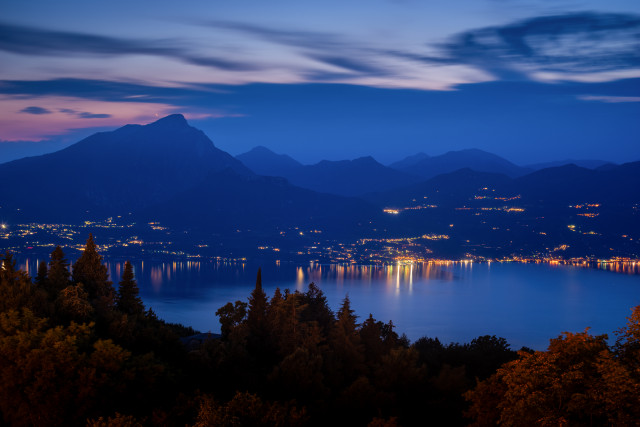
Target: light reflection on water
{"type": "Point", "coordinates": [525, 303]}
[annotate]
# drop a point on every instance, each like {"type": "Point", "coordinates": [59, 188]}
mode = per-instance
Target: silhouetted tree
{"type": "Point", "coordinates": [257, 314]}
{"type": "Point", "coordinates": [90, 271]}
{"type": "Point", "coordinates": [129, 301]}
{"type": "Point", "coordinates": [16, 289]}
{"type": "Point", "coordinates": [346, 360]}
{"type": "Point", "coordinates": [317, 308]}
{"type": "Point", "coordinates": [258, 336]}
{"type": "Point", "coordinates": [231, 316]}
{"type": "Point", "coordinates": [41, 277]}
{"type": "Point", "coordinates": [58, 277]}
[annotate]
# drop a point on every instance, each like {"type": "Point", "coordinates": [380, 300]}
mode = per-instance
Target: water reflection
{"type": "Point", "coordinates": [630, 267]}
{"type": "Point", "coordinates": [393, 276]}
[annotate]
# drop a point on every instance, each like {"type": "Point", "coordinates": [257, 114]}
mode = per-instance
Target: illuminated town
{"type": "Point", "coordinates": [117, 238]}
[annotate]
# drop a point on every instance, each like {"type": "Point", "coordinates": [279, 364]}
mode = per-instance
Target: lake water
{"type": "Point", "coordinates": [525, 303]}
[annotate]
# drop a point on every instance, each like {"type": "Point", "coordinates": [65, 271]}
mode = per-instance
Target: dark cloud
{"type": "Point", "coordinates": [35, 110]}
{"type": "Point", "coordinates": [102, 90]}
{"type": "Point", "coordinates": [84, 114]}
{"type": "Point", "coordinates": [32, 41]}
{"type": "Point", "coordinates": [571, 43]}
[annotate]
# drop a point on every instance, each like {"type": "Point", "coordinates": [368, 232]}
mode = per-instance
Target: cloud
{"type": "Point", "coordinates": [84, 114]}
{"type": "Point", "coordinates": [32, 41]}
{"type": "Point", "coordinates": [609, 99]}
{"type": "Point", "coordinates": [585, 46]}
{"type": "Point", "coordinates": [299, 38]}
{"type": "Point", "coordinates": [35, 110]}
{"type": "Point", "coordinates": [575, 43]}
{"type": "Point", "coordinates": [330, 49]}
{"type": "Point", "coordinates": [102, 90]}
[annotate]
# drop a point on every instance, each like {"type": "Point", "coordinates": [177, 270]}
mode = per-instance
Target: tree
{"type": "Point", "coordinates": [346, 359]}
{"type": "Point", "coordinates": [257, 315]}
{"type": "Point", "coordinates": [317, 308]}
{"type": "Point", "coordinates": [129, 301]}
{"type": "Point", "coordinates": [73, 304]}
{"type": "Point", "coordinates": [41, 278]}
{"type": "Point", "coordinates": [577, 381]}
{"type": "Point", "coordinates": [16, 288]}
{"type": "Point", "coordinates": [90, 271]}
{"type": "Point", "coordinates": [627, 345]}
{"type": "Point", "coordinates": [231, 316]}
{"type": "Point", "coordinates": [257, 325]}
{"type": "Point", "coordinates": [58, 277]}
{"type": "Point", "coordinates": [57, 376]}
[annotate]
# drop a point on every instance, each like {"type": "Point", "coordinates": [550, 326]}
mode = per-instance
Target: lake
{"type": "Point", "coordinates": [525, 303]}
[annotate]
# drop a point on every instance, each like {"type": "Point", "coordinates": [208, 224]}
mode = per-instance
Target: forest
{"type": "Point", "coordinates": [77, 350]}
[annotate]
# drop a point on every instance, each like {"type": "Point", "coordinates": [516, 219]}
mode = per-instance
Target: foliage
{"type": "Point", "coordinates": [246, 409]}
{"type": "Point", "coordinates": [578, 380]}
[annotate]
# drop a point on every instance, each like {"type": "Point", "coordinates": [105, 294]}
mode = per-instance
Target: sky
{"type": "Point", "coordinates": [530, 80]}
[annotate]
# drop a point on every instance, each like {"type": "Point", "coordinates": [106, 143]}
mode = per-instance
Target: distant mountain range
{"type": "Point", "coordinates": [478, 160]}
{"type": "Point", "coordinates": [588, 164]}
{"type": "Point", "coordinates": [345, 177]}
{"type": "Point", "coordinates": [170, 172]}
{"type": "Point", "coordinates": [263, 161]}
{"type": "Point", "coordinates": [365, 175]}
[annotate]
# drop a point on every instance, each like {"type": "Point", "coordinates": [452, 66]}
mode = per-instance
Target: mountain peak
{"type": "Point", "coordinates": [172, 120]}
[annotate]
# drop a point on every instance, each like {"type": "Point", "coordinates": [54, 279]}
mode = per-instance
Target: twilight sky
{"type": "Point", "coordinates": [530, 80]}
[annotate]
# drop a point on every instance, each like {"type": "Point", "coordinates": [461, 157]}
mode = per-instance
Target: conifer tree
{"type": "Point", "coordinates": [129, 301]}
{"type": "Point", "coordinates": [90, 271]}
{"type": "Point", "coordinates": [347, 360]}
{"type": "Point", "coordinates": [58, 277]}
{"type": "Point", "coordinates": [259, 342]}
{"type": "Point", "coordinates": [257, 315]}
{"type": "Point", "coordinates": [41, 278]}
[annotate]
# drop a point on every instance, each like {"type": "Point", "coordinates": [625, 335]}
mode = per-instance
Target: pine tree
{"type": "Point", "coordinates": [257, 315]}
{"type": "Point", "coordinates": [129, 301]}
{"type": "Point", "coordinates": [58, 277]}
{"type": "Point", "coordinates": [41, 278]}
{"type": "Point", "coordinates": [90, 271]}
{"type": "Point", "coordinates": [347, 360]}
{"type": "Point", "coordinates": [259, 343]}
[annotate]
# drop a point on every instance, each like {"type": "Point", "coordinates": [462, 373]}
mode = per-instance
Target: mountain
{"type": "Point", "coordinates": [344, 177]}
{"type": "Point", "coordinates": [566, 210]}
{"type": "Point", "coordinates": [171, 172]}
{"type": "Point", "coordinates": [226, 204]}
{"type": "Point", "coordinates": [263, 161]}
{"type": "Point", "coordinates": [349, 177]}
{"type": "Point", "coordinates": [588, 164]}
{"type": "Point", "coordinates": [474, 159]}
{"type": "Point", "coordinates": [409, 161]}
{"type": "Point", "coordinates": [115, 172]}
